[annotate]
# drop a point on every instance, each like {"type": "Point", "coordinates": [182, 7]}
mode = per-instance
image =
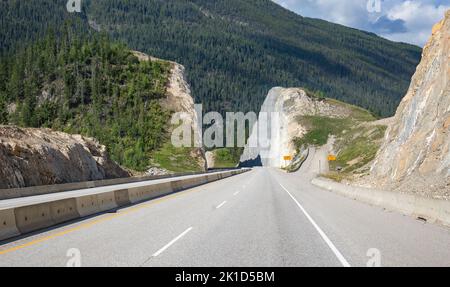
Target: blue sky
{"type": "Point", "coordinates": [398, 20]}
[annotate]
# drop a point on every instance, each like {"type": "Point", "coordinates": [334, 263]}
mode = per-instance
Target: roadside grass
{"type": "Point", "coordinates": [224, 158]}
{"type": "Point", "coordinates": [358, 147]}
{"type": "Point", "coordinates": [336, 176]}
{"type": "Point", "coordinates": [320, 128]}
{"type": "Point", "coordinates": [356, 143]}
{"type": "Point", "coordinates": [175, 159]}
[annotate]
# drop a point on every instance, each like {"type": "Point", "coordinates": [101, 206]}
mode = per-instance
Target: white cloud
{"type": "Point", "coordinates": [418, 17]}
{"type": "Point", "coordinates": [399, 20]}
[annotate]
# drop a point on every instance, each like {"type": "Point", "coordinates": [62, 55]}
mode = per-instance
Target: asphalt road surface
{"type": "Point", "coordinates": [262, 218]}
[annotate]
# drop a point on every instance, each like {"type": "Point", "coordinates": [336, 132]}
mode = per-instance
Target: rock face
{"type": "Point", "coordinates": [272, 137]}
{"type": "Point", "coordinates": [179, 99]}
{"type": "Point", "coordinates": [33, 157]}
{"type": "Point", "coordinates": [210, 159]}
{"type": "Point", "coordinates": [416, 152]}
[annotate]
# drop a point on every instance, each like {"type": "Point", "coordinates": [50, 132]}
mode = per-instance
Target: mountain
{"type": "Point", "coordinates": [234, 51]}
{"type": "Point", "coordinates": [99, 88]}
{"type": "Point", "coordinates": [92, 87]}
{"type": "Point", "coordinates": [415, 156]}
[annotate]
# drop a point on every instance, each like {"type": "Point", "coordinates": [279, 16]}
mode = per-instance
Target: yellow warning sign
{"type": "Point", "coordinates": [332, 158]}
{"type": "Point", "coordinates": [287, 157]}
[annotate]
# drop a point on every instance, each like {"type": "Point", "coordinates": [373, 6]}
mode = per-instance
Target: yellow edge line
{"type": "Point", "coordinates": [92, 223]}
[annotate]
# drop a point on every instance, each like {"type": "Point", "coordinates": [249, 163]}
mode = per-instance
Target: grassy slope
{"type": "Point", "coordinates": [357, 141]}
{"type": "Point", "coordinates": [224, 158]}
{"type": "Point", "coordinates": [175, 159]}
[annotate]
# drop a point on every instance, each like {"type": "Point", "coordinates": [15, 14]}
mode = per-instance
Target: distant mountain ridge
{"type": "Point", "coordinates": [234, 51]}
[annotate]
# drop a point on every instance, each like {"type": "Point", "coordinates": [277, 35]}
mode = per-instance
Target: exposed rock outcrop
{"type": "Point", "coordinates": [278, 125]}
{"type": "Point", "coordinates": [33, 157]}
{"type": "Point", "coordinates": [179, 99]}
{"type": "Point", "coordinates": [416, 152]}
{"type": "Point", "coordinates": [210, 159]}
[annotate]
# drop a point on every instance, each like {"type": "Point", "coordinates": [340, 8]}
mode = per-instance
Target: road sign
{"type": "Point", "coordinates": [287, 157]}
{"type": "Point", "coordinates": [332, 158]}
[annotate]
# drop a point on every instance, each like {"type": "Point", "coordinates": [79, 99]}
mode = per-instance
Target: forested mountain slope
{"type": "Point", "coordinates": [91, 86]}
{"type": "Point", "coordinates": [236, 50]}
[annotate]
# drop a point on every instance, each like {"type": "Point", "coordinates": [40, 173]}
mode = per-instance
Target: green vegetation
{"type": "Point", "coordinates": [88, 85]}
{"type": "Point", "coordinates": [175, 159]}
{"type": "Point", "coordinates": [236, 50]}
{"type": "Point", "coordinates": [356, 140]}
{"type": "Point", "coordinates": [226, 158]}
{"type": "Point", "coordinates": [358, 147]}
{"type": "Point", "coordinates": [320, 128]}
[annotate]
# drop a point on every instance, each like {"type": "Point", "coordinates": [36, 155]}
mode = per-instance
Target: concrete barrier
{"type": "Point", "coordinates": [48, 189]}
{"type": "Point", "coordinates": [193, 182]}
{"type": "Point", "coordinates": [33, 217]}
{"type": "Point", "coordinates": [158, 190]}
{"type": "Point", "coordinates": [63, 210]}
{"type": "Point", "coordinates": [40, 190]}
{"type": "Point", "coordinates": [107, 201]}
{"type": "Point", "coordinates": [8, 227]}
{"type": "Point", "coordinates": [136, 194]}
{"type": "Point", "coordinates": [177, 185]}
{"type": "Point", "coordinates": [122, 197]}
{"type": "Point", "coordinates": [433, 210]}
{"type": "Point", "coordinates": [24, 219]}
{"type": "Point", "coordinates": [202, 180]}
{"type": "Point", "coordinates": [212, 177]}
{"type": "Point", "coordinates": [87, 205]}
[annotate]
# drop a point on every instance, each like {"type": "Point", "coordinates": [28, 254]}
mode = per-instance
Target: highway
{"type": "Point", "coordinates": [263, 218]}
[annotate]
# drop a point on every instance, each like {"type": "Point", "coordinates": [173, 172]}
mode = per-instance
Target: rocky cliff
{"type": "Point", "coordinates": [32, 157]}
{"type": "Point", "coordinates": [280, 123]}
{"type": "Point", "coordinates": [179, 100]}
{"type": "Point", "coordinates": [416, 152]}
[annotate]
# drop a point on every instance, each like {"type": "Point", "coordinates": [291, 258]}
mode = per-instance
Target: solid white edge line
{"type": "Point", "coordinates": [330, 244]}
{"type": "Point", "coordinates": [220, 205]}
{"type": "Point", "coordinates": [171, 242]}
